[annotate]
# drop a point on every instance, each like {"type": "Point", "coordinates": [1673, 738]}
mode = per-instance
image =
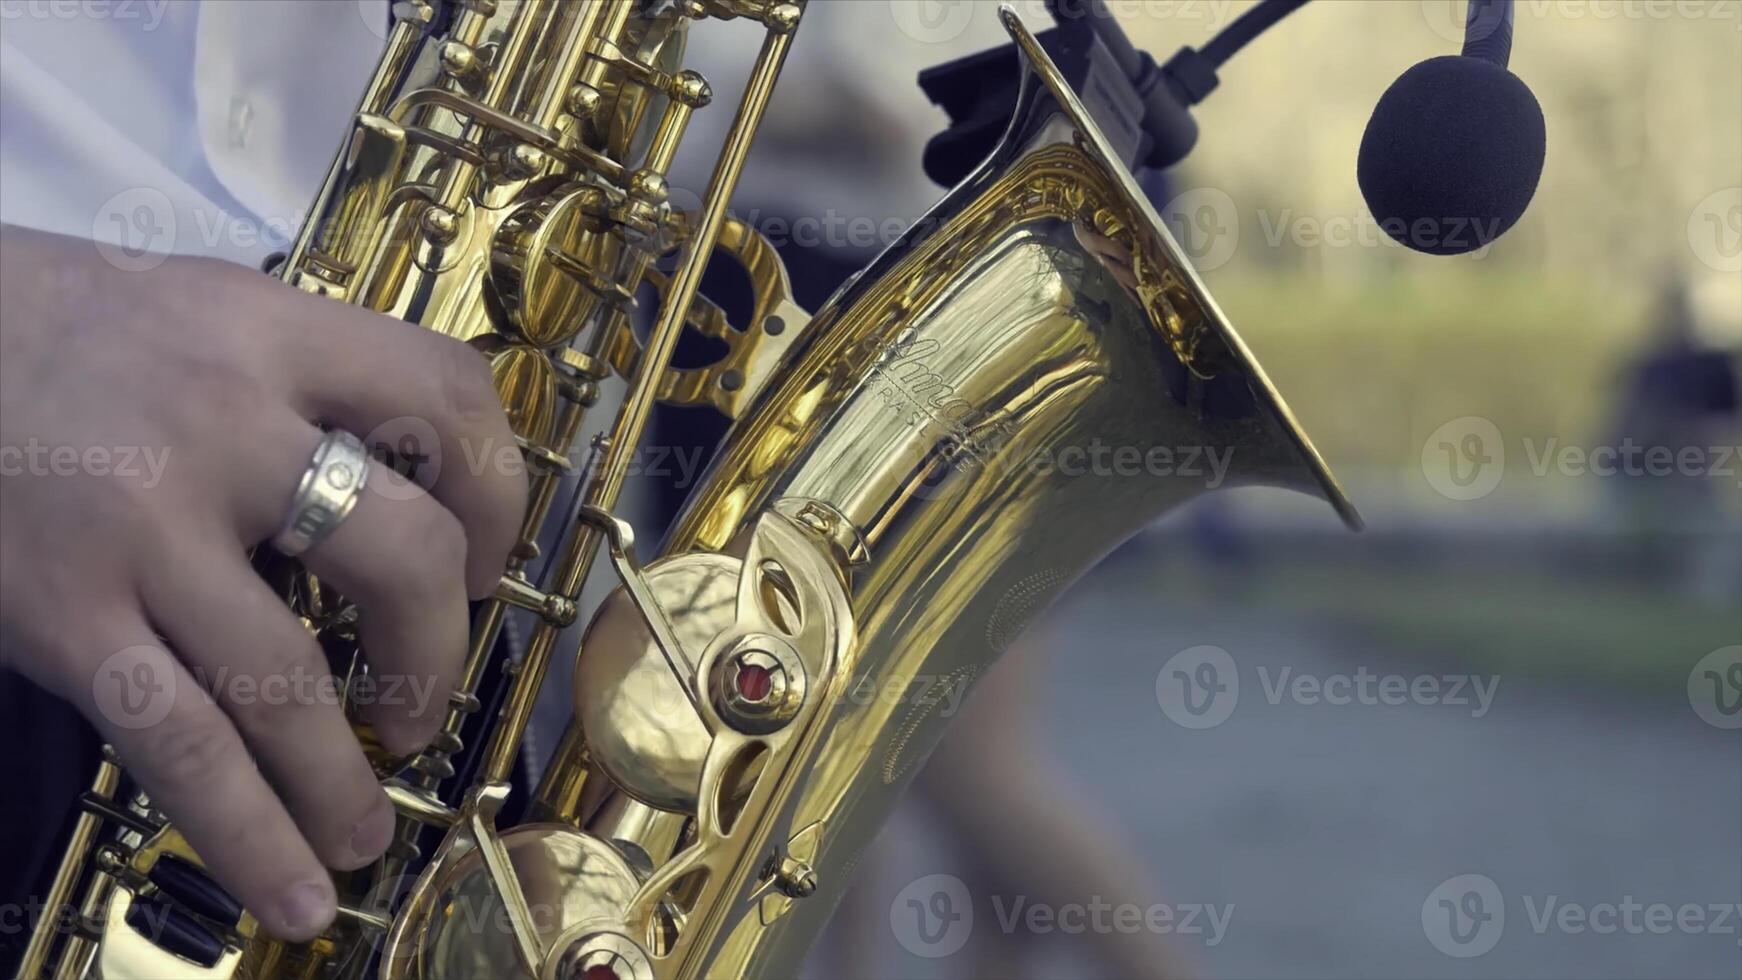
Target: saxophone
{"type": "Point", "coordinates": [884, 516]}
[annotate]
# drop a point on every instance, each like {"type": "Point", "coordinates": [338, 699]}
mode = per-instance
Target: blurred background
{"type": "Point", "coordinates": [1496, 735]}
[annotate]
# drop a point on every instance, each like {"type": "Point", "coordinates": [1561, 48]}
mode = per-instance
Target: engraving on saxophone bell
{"type": "Point", "coordinates": [914, 390]}
{"type": "Point", "coordinates": [1017, 606]}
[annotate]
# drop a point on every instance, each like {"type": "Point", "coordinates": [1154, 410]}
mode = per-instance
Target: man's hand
{"type": "Point", "coordinates": [153, 427]}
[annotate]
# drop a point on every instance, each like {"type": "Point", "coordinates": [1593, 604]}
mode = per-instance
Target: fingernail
{"type": "Point", "coordinates": [372, 834]}
{"type": "Point", "coordinates": [405, 738]}
{"type": "Point", "coordinates": [306, 909]}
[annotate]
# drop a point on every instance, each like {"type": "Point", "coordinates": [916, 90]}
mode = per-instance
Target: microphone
{"type": "Point", "coordinates": [1449, 161]}
{"type": "Point", "coordinates": [1454, 150]}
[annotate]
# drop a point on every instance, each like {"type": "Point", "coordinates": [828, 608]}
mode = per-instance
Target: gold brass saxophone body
{"type": "Point", "coordinates": [893, 504]}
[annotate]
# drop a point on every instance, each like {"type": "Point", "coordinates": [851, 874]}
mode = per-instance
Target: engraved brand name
{"type": "Point", "coordinates": [908, 384]}
{"type": "Point", "coordinates": [903, 363]}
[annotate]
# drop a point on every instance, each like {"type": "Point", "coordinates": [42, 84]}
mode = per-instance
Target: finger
{"type": "Point", "coordinates": [393, 383]}
{"type": "Point", "coordinates": [269, 675]}
{"type": "Point", "coordinates": [189, 758]}
{"type": "Point", "coordinates": [401, 557]}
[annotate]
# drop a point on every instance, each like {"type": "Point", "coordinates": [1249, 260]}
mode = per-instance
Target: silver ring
{"type": "Point", "coordinates": [328, 491]}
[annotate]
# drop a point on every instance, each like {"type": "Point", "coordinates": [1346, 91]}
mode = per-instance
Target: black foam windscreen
{"type": "Point", "coordinates": [1452, 154]}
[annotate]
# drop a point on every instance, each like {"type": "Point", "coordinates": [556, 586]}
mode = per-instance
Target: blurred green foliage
{"type": "Point", "coordinates": [1372, 369]}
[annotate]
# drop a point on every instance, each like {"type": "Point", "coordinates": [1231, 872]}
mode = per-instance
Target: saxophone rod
{"type": "Point", "coordinates": [530, 21]}
{"type": "Point", "coordinates": [566, 63]}
{"type": "Point", "coordinates": [80, 951]}
{"type": "Point", "coordinates": [401, 44]}
{"type": "Point", "coordinates": [631, 420]}
{"type": "Point", "coordinates": [626, 433]}
{"type": "Point", "coordinates": [67, 875]}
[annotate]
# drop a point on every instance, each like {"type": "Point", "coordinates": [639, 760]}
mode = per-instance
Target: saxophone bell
{"type": "Point", "coordinates": [931, 436]}
{"type": "Point", "coordinates": [914, 473]}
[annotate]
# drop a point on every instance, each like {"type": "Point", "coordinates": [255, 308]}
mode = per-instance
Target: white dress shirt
{"type": "Point", "coordinates": [169, 126]}
{"type": "Point", "coordinates": [182, 127]}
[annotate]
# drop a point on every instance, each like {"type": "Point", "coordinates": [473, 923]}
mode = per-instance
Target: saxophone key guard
{"type": "Point", "coordinates": [750, 631]}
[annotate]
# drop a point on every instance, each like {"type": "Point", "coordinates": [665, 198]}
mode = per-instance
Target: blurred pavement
{"type": "Point", "coordinates": [1328, 827]}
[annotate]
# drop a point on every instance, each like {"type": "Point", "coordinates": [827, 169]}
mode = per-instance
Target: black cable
{"type": "Point", "coordinates": [1246, 27]}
